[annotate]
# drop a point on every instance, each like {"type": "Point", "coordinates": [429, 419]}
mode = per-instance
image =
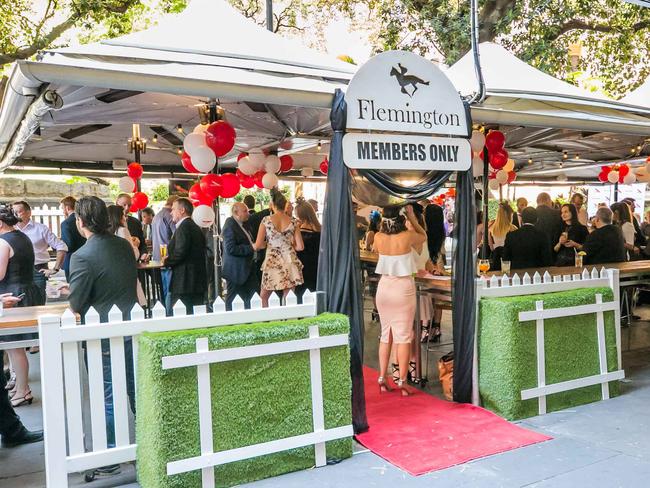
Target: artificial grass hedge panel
{"type": "Point", "coordinates": [508, 357]}
{"type": "Point", "coordinates": [253, 400]}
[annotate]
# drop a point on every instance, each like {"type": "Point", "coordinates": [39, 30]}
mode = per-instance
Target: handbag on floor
{"type": "Point", "coordinates": [446, 374]}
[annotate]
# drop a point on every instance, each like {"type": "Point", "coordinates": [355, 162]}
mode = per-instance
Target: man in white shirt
{"type": "Point", "coordinates": [42, 239]}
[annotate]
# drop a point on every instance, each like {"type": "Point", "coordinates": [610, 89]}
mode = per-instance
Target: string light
{"type": "Point", "coordinates": [179, 151]}
{"type": "Point", "coordinates": [530, 160]}
{"type": "Point", "coordinates": [319, 146]}
{"type": "Point", "coordinates": [155, 139]}
{"type": "Point", "coordinates": [179, 128]}
{"type": "Point", "coordinates": [565, 155]}
{"type": "Point", "coordinates": [577, 156]}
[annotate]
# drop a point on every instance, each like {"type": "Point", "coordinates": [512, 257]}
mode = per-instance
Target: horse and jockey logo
{"type": "Point", "coordinates": [405, 80]}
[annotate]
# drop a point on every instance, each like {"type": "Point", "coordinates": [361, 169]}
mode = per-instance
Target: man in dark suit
{"type": "Point", "coordinates": [186, 256]}
{"type": "Point", "coordinates": [605, 244]}
{"type": "Point", "coordinates": [133, 224]}
{"type": "Point", "coordinates": [527, 247]}
{"type": "Point", "coordinates": [522, 203]}
{"type": "Point", "coordinates": [102, 274]}
{"type": "Point", "coordinates": [238, 257]}
{"type": "Point", "coordinates": [254, 222]}
{"type": "Point", "coordinates": [549, 220]}
{"type": "Point", "coordinates": [69, 233]}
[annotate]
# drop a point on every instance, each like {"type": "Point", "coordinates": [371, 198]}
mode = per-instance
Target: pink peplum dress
{"type": "Point", "coordinates": [396, 297]}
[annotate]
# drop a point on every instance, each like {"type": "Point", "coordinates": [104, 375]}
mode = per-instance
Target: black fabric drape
{"type": "Point", "coordinates": [423, 189]}
{"type": "Point", "coordinates": [464, 291]}
{"type": "Point", "coordinates": [339, 267]}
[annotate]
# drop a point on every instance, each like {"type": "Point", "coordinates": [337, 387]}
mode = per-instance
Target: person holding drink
{"type": "Point", "coordinates": [573, 233]}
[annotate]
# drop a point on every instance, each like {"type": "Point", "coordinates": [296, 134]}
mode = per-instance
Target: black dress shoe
{"type": "Point", "coordinates": [23, 437]}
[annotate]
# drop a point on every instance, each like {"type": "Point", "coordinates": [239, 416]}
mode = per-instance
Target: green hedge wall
{"type": "Point", "coordinates": [253, 400]}
{"type": "Point", "coordinates": [508, 358]}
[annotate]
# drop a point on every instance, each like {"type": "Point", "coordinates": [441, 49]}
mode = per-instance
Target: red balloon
{"type": "Point", "coordinates": [495, 140]}
{"type": "Point", "coordinates": [241, 155]}
{"type": "Point", "coordinates": [230, 185]}
{"type": "Point", "coordinates": [140, 200]}
{"type": "Point", "coordinates": [324, 167]}
{"type": "Point", "coordinates": [258, 178]}
{"type": "Point", "coordinates": [133, 208]}
{"type": "Point", "coordinates": [498, 158]}
{"type": "Point", "coordinates": [211, 185]}
{"type": "Point", "coordinates": [623, 170]}
{"type": "Point", "coordinates": [134, 170]}
{"type": "Point", "coordinates": [247, 181]}
{"type": "Point", "coordinates": [451, 192]}
{"type": "Point", "coordinates": [220, 137]}
{"type": "Point", "coordinates": [186, 161]}
{"type": "Point", "coordinates": [512, 176]}
{"type": "Point", "coordinates": [286, 163]}
{"type": "Point", "coordinates": [196, 195]}
{"type": "Point", "coordinates": [602, 176]}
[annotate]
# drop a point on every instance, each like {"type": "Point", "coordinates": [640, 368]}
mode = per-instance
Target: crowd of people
{"type": "Point", "coordinates": [552, 234]}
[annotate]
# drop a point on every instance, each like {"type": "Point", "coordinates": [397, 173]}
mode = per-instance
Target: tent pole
{"type": "Point", "coordinates": [216, 227]}
{"type": "Point", "coordinates": [616, 192]}
{"type": "Point", "coordinates": [269, 15]}
{"type": "Point", "coordinates": [486, 197]}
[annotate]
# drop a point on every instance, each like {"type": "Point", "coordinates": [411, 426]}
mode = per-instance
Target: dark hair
{"type": "Point", "coordinates": [7, 215]}
{"type": "Point", "coordinates": [68, 202]}
{"type": "Point", "coordinates": [249, 201]}
{"type": "Point", "coordinates": [23, 203]}
{"type": "Point", "coordinates": [393, 222]}
{"type": "Point", "coordinates": [185, 204]}
{"type": "Point", "coordinates": [115, 216]}
{"type": "Point", "coordinates": [375, 221]}
{"type": "Point", "coordinates": [529, 216]}
{"type": "Point", "coordinates": [418, 211]}
{"type": "Point", "coordinates": [148, 211]}
{"type": "Point", "coordinates": [93, 213]}
{"type": "Point", "coordinates": [278, 200]}
{"type": "Point", "coordinates": [573, 211]}
{"type": "Point", "coordinates": [622, 211]}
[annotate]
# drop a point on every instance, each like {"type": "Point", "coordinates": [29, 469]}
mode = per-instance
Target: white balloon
{"type": "Point", "coordinates": [307, 171]}
{"type": "Point", "coordinates": [493, 184]}
{"type": "Point", "coordinates": [477, 167]}
{"type": "Point", "coordinates": [258, 158]}
{"type": "Point", "coordinates": [203, 216]}
{"type": "Point", "coordinates": [510, 165]}
{"type": "Point", "coordinates": [246, 166]}
{"type": "Point", "coordinates": [192, 143]}
{"type": "Point", "coordinates": [629, 178]}
{"type": "Point", "coordinates": [126, 184]}
{"type": "Point", "coordinates": [200, 129]}
{"type": "Point", "coordinates": [502, 177]}
{"type": "Point", "coordinates": [477, 141]}
{"type": "Point", "coordinates": [269, 180]}
{"type": "Point", "coordinates": [203, 159]}
{"type": "Point", "coordinates": [272, 164]}
{"type": "Point", "coordinates": [612, 177]}
{"type": "Point", "coordinates": [562, 177]}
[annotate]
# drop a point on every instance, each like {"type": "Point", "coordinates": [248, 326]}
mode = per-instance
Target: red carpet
{"type": "Point", "coordinates": [422, 433]}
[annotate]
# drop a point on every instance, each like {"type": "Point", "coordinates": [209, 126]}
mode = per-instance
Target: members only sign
{"type": "Point", "coordinates": [372, 151]}
{"type": "Point", "coordinates": [398, 91]}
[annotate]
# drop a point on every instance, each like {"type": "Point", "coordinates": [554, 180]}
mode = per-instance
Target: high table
{"type": "Point", "coordinates": [24, 320]}
{"type": "Point", "coordinates": [150, 276]}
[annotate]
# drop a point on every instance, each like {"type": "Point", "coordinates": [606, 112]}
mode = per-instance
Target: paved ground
{"type": "Point", "coordinates": [605, 444]}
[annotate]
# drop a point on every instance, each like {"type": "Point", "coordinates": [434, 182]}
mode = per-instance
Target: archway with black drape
{"type": "Point", "coordinates": [339, 267]}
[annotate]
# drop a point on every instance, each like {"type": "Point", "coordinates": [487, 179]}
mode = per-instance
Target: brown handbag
{"type": "Point", "coordinates": [446, 374]}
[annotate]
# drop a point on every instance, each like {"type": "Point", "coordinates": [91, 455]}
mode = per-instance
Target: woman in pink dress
{"type": "Point", "coordinates": [396, 291]}
{"type": "Point", "coordinates": [280, 235]}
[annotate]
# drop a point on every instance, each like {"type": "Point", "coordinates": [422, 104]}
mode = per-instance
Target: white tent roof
{"type": "Point", "coordinates": [640, 96]}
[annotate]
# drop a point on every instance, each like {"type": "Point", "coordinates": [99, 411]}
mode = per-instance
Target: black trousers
{"type": "Point", "coordinates": [245, 290]}
{"type": "Point", "coordinates": [10, 424]}
{"type": "Point", "coordinates": [189, 299]}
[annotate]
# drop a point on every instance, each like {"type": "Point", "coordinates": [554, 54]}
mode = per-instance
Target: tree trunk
{"type": "Point", "coordinates": [489, 16]}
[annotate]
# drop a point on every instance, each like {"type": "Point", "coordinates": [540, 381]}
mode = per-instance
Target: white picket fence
{"type": "Point", "coordinates": [505, 286]}
{"type": "Point", "coordinates": [50, 216]}
{"type": "Point", "coordinates": [61, 376]}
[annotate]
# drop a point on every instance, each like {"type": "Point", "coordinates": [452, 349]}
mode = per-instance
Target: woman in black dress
{"type": "Point", "coordinates": [310, 231]}
{"type": "Point", "coordinates": [17, 278]}
{"type": "Point", "coordinates": [573, 231]}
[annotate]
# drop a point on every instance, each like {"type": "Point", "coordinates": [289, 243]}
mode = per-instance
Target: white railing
{"type": "Point", "coordinates": [202, 359]}
{"type": "Point", "coordinates": [50, 216]}
{"type": "Point", "coordinates": [62, 384]}
{"type": "Point", "coordinates": [505, 286]}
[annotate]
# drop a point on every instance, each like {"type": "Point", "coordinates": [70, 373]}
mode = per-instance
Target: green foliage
{"type": "Point", "coordinates": [253, 400]}
{"type": "Point", "coordinates": [160, 192]}
{"type": "Point", "coordinates": [114, 191]}
{"type": "Point", "coordinates": [77, 179]}
{"type": "Point", "coordinates": [507, 357]}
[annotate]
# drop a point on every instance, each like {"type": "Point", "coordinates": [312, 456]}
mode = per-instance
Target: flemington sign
{"type": "Point", "coordinates": [401, 92]}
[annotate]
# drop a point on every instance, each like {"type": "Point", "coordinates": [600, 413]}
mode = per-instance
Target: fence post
{"type": "Point", "coordinates": [612, 274]}
{"type": "Point", "coordinates": [318, 416]}
{"type": "Point", "coordinates": [481, 284]}
{"type": "Point", "coordinates": [541, 358]}
{"type": "Point", "coordinates": [56, 472]}
{"type": "Point", "coordinates": [602, 350]}
{"type": "Point", "coordinates": [205, 412]}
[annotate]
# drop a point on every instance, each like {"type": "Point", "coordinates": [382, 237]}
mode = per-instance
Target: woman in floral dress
{"type": "Point", "coordinates": [280, 235]}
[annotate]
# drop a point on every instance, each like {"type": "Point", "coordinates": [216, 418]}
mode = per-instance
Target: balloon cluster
{"type": "Point", "coordinates": [205, 144]}
{"type": "Point", "coordinates": [258, 169]}
{"type": "Point", "coordinates": [129, 184]}
{"type": "Point", "coordinates": [618, 173]}
{"type": "Point", "coordinates": [440, 199]}
{"type": "Point", "coordinates": [501, 170]}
